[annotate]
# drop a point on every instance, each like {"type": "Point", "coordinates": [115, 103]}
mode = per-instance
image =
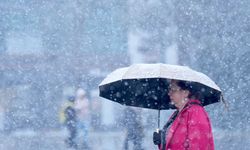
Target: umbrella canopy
{"type": "Point", "coordinates": [146, 85]}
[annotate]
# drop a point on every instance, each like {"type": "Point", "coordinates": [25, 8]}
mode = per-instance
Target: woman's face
{"type": "Point", "coordinates": [176, 94]}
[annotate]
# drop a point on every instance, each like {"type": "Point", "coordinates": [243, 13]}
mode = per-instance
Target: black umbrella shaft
{"type": "Point", "coordinates": [159, 115]}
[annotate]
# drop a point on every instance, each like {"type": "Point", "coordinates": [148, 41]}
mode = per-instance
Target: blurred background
{"type": "Point", "coordinates": [49, 49]}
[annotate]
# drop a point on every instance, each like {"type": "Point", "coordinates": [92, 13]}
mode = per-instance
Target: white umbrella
{"type": "Point", "coordinates": [146, 85]}
{"type": "Point", "coordinates": [146, 71]}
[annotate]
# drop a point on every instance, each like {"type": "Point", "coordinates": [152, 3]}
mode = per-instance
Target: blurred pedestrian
{"type": "Point", "coordinates": [95, 113]}
{"type": "Point", "coordinates": [134, 129]}
{"type": "Point", "coordinates": [83, 117]}
{"type": "Point", "coordinates": [70, 123]}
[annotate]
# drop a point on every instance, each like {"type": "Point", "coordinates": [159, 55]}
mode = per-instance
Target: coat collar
{"type": "Point", "coordinates": [192, 101]}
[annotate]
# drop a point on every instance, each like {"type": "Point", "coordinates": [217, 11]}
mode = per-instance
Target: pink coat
{"type": "Point", "coordinates": [191, 130]}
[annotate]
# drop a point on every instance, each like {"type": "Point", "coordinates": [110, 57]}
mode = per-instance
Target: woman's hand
{"type": "Point", "coordinates": [157, 137]}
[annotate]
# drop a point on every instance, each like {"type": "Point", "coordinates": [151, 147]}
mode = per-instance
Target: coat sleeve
{"type": "Point", "coordinates": [199, 132]}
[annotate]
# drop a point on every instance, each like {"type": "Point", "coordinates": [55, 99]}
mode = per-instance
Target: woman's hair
{"type": "Point", "coordinates": [194, 92]}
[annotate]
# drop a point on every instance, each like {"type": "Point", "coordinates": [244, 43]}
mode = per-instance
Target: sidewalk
{"type": "Point", "coordinates": [108, 140]}
{"type": "Point", "coordinates": [53, 140]}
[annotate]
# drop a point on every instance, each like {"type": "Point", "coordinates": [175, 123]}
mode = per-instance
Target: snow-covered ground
{"type": "Point", "coordinates": [53, 140]}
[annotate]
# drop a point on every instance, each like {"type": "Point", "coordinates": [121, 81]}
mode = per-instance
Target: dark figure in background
{"type": "Point", "coordinates": [70, 122]}
{"type": "Point", "coordinates": [132, 122]}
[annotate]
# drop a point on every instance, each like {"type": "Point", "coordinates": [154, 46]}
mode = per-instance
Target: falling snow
{"type": "Point", "coordinates": [49, 49]}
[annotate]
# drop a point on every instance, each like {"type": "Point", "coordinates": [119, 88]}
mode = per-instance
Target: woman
{"type": "Point", "coordinates": [189, 127]}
